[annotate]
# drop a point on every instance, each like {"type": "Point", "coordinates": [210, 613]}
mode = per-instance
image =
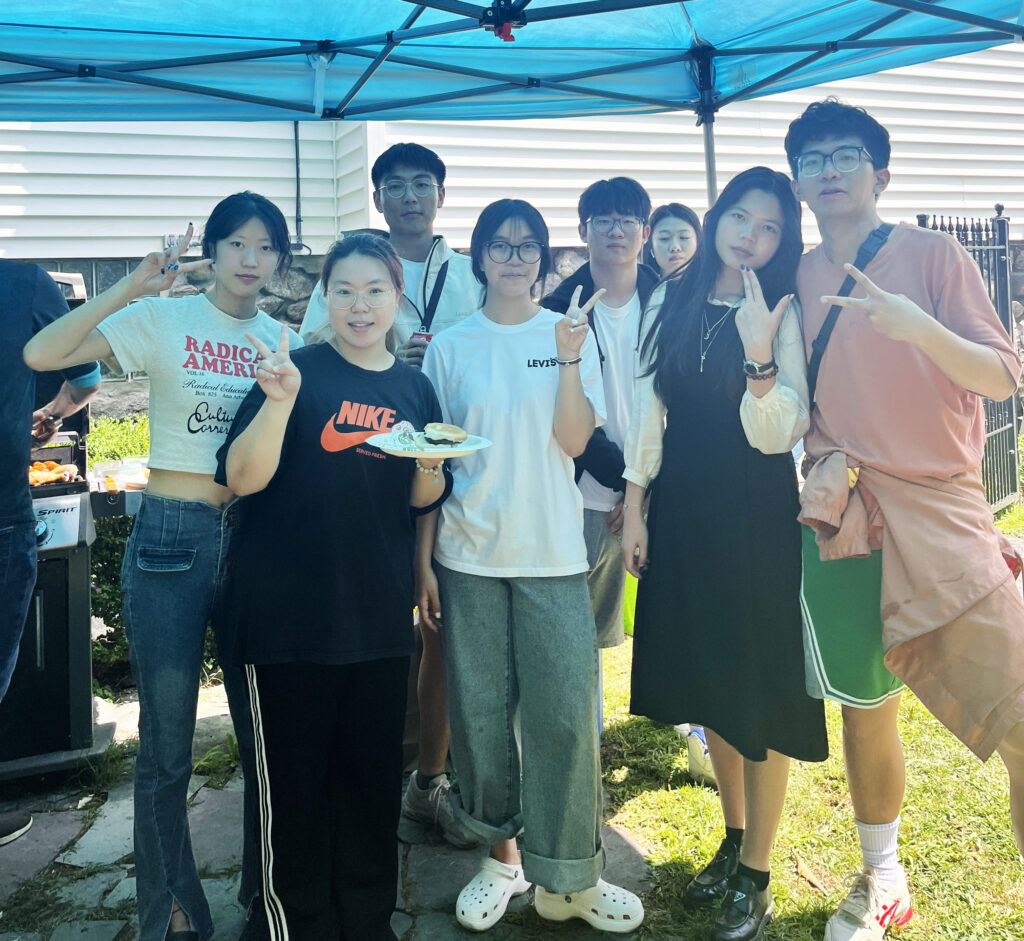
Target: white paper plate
{"type": "Point", "coordinates": [418, 447]}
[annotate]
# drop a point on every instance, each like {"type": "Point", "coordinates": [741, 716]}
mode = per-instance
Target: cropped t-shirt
{"type": "Point", "coordinates": [200, 367]}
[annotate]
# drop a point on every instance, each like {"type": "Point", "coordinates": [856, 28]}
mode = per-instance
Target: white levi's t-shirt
{"type": "Point", "coordinates": [515, 509]}
{"type": "Point", "coordinates": [616, 329]}
{"type": "Point", "coordinates": [200, 367]}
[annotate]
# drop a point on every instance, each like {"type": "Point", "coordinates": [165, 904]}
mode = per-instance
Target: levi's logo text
{"type": "Point", "coordinates": [374, 418]}
{"type": "Point", "coordinates": [533, 363]}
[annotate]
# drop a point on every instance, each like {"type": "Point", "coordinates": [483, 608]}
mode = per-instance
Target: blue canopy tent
{"type": "Point", "coordinates": [197, 60]}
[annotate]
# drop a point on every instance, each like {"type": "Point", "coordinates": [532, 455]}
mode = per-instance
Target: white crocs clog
{"type": "Point", "coordinates": [603, 906]}
{"type": "Point", "coordinates": [483, 901]}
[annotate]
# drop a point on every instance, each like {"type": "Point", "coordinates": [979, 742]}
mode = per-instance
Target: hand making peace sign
{"type": "Point", "coordinates": [572, 329]}
{"type": "Point", "coordinates": [276, 373]}
{"type": "Point", "coordinates": [757, 325]}
{"type": "Point", "coordinates": [893, 315]}
{"type": "Point", "coordinates": [158, 270]}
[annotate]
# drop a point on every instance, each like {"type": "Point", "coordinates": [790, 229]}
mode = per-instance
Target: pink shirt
{"type": "Point", "coordinates": [883, 402]}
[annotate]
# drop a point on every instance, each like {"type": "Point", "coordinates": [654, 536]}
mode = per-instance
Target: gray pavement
{"type": "Point", "coordinates": [70, 878]}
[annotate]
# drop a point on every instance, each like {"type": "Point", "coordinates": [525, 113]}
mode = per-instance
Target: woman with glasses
{"type": "Point", "coordinates": [721, 400]}
{"type": "Point", "coordinates": [508, 588]}
{"type": "Point", "coordinates": [675, 235]}
{"type": "Point", "coordinates": [318, 596]}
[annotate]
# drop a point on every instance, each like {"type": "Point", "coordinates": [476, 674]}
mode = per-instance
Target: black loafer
{"type": "Point", "coordinates": [709, 885]}
{"type": "Point", "coordinates": [744, 913]}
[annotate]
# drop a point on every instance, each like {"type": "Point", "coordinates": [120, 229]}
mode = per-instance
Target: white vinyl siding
{"type": "Point", "coordinates": [114, 190]}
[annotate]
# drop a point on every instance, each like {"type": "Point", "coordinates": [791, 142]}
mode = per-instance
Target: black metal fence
{"type": "Point", "coordinates": [988, 242]}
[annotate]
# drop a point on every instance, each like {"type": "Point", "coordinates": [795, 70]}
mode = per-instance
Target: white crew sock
{"type": "Point", "coordinates": [878, 847]}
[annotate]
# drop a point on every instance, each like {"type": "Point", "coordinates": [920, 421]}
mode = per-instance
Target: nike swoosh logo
{"type": "Point", "coordinates": [333, 440]}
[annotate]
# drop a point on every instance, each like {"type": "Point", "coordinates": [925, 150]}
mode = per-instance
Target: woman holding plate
{"type": "Point", "coordinates": [318, 595]}
{"type": "Point", "coordinates": [517, 629]}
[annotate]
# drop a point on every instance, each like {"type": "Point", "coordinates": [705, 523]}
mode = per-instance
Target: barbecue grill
{"type": "Point", "coordinates": [46, 718]}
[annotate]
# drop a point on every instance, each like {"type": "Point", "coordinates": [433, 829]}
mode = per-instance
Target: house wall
{"type": "Point", "coordinates": [74, 193]}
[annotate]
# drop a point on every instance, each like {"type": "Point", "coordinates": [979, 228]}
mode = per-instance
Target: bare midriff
{"type": "Point", "coordinates": [181, 485]}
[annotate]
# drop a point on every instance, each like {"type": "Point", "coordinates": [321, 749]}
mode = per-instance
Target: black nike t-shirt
{"type": "Point", "coordinates": [321, 562]}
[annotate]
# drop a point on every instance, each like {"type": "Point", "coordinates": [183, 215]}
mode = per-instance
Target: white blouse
{"type": "Point", "coordinates": [773, 423]}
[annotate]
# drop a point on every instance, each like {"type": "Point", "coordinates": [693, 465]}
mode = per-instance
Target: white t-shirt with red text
{"type": "Point", "coordinates": [200, 367]}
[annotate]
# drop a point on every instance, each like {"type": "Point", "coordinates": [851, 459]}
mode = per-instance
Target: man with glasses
{"type": "Point", "coordinates": [613, 225]}
{"type": "Point", "coordinates": [440, 291]}
{"type": "Point", "coordinates": [905, 580]}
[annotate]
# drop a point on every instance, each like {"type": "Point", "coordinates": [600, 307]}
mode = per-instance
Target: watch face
{"type": "Point", "coordinates": [753, 368]}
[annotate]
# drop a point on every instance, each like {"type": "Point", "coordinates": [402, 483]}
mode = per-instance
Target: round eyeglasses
{"type": "Point", "coordinates": [396, 189]}
{"type": "Point", "coordinates": [529, 252]}
{"type": "Point", "coordinates": [603, 225]}
{"type": "Point", "coordinates": [343, 298]}
{"type": "Point", "coordinates": [844, 159]}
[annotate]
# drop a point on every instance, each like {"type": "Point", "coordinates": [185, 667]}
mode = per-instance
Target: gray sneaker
{"type": "Point", "coordinates": [428, 811]}
{"type": "Point", "coordinates": [13, 825]}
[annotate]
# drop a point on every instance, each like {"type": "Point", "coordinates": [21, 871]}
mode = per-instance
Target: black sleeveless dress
{"type": "Point", "coordinates": [717, 635]}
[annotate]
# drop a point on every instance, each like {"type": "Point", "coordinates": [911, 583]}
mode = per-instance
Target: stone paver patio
{"type": "Point", "coordinates": [74, 866]}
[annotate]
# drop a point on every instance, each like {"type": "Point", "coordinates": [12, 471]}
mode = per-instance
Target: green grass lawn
{"type": "Point", "coordinates": [967, 880]}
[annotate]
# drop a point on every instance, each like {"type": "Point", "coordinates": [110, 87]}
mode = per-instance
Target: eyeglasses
{"type": "Point", "coordinates": [344, 299]}
{"type": "Point", "coordinates": [844, 159]}
{"type": "Point", "coordinates": [529, 252]}
{"type": "Point", "coordinates": [603, 225]}
{"type": "Point", "coordinates": [396, 189]}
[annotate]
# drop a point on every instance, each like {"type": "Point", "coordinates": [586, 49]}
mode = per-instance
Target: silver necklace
{"type": "Point", "coordinates": [711, 331]}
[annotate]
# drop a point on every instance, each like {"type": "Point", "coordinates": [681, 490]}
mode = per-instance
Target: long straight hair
{"type": "Point", "coordinates": [673, 345]}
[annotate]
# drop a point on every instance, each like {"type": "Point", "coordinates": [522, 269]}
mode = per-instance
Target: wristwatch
{"type": "Point", "coordinates": [752, 369]}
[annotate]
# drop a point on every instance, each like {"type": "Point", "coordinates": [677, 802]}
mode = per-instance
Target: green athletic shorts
{"type": "Point", "coordinates": [841, 604]}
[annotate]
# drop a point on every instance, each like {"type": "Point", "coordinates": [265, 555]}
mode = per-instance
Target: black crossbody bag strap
{"type": "Point", "coordinates": [865, 253]}
{"type": "Point", "coordinates": [435, 296]}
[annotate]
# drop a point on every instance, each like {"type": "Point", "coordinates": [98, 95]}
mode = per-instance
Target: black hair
{"type": "Point", "coordinates": [493, 218]}
{"type": "Point", "coordinates": [414, 156]}
{"type": "Point", "coordinates": [674, 341]}
{"type": "Point", "coordinates": [231, 213]}
{"type": "Point", "coordinates": [619, 194]}
{"type": "Point", "coordinates": [669, 211]}
{"type": "Point", "coordinates": [370, 246]}
{"type": "Point", "coordinates": [832, 118]}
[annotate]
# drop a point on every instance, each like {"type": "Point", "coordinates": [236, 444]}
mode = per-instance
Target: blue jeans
{"type": "Point", "coordinates": [171, 573]}
{"type": "Point", "coordinates": [17, 579]}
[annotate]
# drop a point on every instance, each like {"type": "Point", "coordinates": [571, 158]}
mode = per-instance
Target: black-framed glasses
{"type": "Point", "coordinates": [344, 299]}
{"type": "Point", "coordinates": [628, 225]}
{"type": "Point", "coordinates": [844, 159]}
{"type": "Point", "coordinates": [529, 252]}
{"type": "Point", "coordinates": [396, 189]}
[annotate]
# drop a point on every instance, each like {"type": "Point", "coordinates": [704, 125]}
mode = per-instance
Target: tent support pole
{"type": "Point", "coordinates": [704, 60]}
{"type": "Point", "coordinates": [710, 173]}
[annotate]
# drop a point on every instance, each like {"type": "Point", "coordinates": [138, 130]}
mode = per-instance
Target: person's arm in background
{"type": "Point", "coordinates": [70, 398]}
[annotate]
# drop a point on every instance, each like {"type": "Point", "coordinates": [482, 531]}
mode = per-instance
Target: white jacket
{"type": "Point", "coordinates": [460, 297]}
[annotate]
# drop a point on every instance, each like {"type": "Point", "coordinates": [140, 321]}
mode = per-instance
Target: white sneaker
{"type": "Point", "coordinates": [870, 910]}
{"type": "Point", "coordinates": [700, 767]}
{"type": "Point", "coordinates": [429, 810]}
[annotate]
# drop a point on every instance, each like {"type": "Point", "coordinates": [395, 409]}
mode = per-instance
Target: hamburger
{"type": "Point", "coordinates": [442, 435]}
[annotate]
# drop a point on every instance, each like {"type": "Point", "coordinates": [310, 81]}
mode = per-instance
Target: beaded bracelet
{"type": "Point", "coordinates": [569, 362]}
{"type": "Point", "coordinates": [428, 470]}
